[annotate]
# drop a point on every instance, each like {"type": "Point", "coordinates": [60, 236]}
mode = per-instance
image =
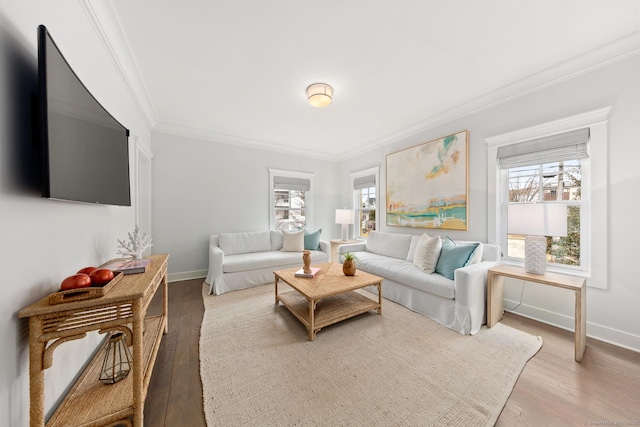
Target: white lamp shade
{"type": "Point", "coordinates": [537, 219]}
{"type": "Point", "coordinates": [344, 216]}
{"type": "Point", "coordinates": [320, 94]}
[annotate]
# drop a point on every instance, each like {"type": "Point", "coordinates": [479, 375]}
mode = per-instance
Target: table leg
{"type": "Point", "coordinates": [581, 322]}
{"type": "Point", "coordinates": [276, 280]}
{"type": "Point", "coordinates": [137, 371]}
{"type": "Point", "coordinates": [379, 286]}
{"type": "Point", "coordinates": [312, 320]}
{"type": "Point", "coordinates": [165, 303]}
{"type": "Point", "coordinates": [495, 289]}
{"type": "Point", "coordinates": [36, 372]}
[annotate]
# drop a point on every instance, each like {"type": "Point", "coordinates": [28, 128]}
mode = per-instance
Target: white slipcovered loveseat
{"type": "Point", "coordinates": [242, 260]}
{"type": "Point", "coordinates": [458, 301]}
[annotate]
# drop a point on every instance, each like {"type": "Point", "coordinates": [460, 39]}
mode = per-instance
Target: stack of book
{"type": "Point", "coordinates": [301, 273]}
{"type": "Point", "coordinates": [129, 266]}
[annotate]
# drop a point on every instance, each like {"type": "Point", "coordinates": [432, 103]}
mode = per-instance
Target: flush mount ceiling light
{"type": "Point", "coordinates": [319, 94]}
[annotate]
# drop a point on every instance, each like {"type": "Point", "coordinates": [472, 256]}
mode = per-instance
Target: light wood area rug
{"type": "Point", "coordinates": [258, 367]}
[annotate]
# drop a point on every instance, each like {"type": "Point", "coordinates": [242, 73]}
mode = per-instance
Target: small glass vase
{"type": "Point", "coordinates": [117, 360]}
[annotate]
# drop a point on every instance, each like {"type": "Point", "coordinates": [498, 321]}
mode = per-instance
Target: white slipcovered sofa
{"type": "Point", "coordinates": [242, 260]}
{"type": "Point", "coordinates": [458, 303]}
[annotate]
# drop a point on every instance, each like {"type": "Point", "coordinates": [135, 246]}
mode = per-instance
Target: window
{"type": "Point", "coordinates": [558, 183]}
{"type": "Point", "coordinates": [557, 163]}
{"type": "Point", "coordinates": [290, 200]}
{"type": "Point", "coordinates": [365, 201]}
{"type": "Point", "coordinates": [548, 170]}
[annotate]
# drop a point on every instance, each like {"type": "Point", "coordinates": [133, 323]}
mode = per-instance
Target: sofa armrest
{"type": "Point", "coordinates": [471, 291]}
{"type": "Point", "coordinates": [216, 261]}
{"type": "Point", "coordinates": [350, 247]}
{"type": "Point", "coordinates": [326, 248]}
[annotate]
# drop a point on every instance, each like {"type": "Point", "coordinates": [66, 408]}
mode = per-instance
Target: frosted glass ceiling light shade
{"type": "Point", "coordinates": [535, 221]}
{"type": "Point", "coordinates": [320, 95]}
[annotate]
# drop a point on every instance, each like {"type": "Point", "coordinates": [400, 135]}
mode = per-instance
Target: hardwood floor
{"type": "Point", "coordinates": [174, 396]}
{"type": "Point", "coordinates": [553, 390]}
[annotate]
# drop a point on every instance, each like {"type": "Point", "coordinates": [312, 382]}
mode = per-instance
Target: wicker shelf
{"type": "Point", "coordinates": [116, 400]}
{"type": "Point", "coordinates": [332, 310]}
{"type": "Point", "coordinates": [90, 402]}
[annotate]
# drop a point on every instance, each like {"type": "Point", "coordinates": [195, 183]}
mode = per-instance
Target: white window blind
{"type": "Point", "coordinates": [290, 183]}
{"type": "Point", "coordinates": [364, 182]}
{"type": "Point", "coordinates": [571, 145]}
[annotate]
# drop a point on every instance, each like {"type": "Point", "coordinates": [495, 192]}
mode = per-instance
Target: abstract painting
{"type": "Point", "coordinates": [427, 184]}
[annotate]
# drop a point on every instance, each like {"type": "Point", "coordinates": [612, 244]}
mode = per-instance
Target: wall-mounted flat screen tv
{"type": "Point", "coordinates": [84, 149]}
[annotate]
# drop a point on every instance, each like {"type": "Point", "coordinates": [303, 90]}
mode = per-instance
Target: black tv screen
{"type": "Point", "coordinates": [85, 151]}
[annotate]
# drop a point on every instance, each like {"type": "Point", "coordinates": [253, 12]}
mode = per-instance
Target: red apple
{"type": "Point", "coordinates": [101, 277]}
{"type": "Point", "coordinates": [87, 270]}
{"type": "Point", "coordinates": [76, 281]}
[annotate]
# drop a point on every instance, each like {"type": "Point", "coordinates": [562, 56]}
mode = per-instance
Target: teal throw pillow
{"type": "Point", "coordinates": [312, 240]}
{"type": "Point", "coordinates": [453, 256]}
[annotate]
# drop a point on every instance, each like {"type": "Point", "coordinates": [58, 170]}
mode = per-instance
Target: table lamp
{"type": "Point", "coordinates": [536, 221]}
{"type": "Point", "coordinates": [344, 217]}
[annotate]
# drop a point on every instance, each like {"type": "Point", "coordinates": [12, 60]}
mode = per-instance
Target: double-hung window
{"type": "Point", "coordinates": [290, 200]}
{"type": "Point", "coordinates": [555, 171]}
{"type": "Point", "coordinates": [365, 201]}
{"type": "Point", "coordinates": [559, 164]}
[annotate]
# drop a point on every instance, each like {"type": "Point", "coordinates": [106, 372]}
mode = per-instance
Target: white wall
{"type": "Point", "coordinates": [612, 314]}
{"type": "Point", "coordinates": [196, 184]}
{"type": "Point", "coordinates": [203, 187]}
{"type": "Point", "coordinates": [43, 241]}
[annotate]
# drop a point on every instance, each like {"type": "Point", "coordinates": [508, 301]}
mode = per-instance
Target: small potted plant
{"type": "Point", "coordinates": [349, 263]}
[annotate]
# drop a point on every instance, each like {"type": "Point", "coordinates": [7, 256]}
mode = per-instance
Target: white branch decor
{"type": "Point", "coordinates": [138, 242]}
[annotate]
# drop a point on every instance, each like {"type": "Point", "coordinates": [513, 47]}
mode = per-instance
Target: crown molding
{"type": "Point", "coordinates": [619, 50]}
{"type": "Point", "coordinates": [106, 23]}
{"type": "Point", "coordinates": [177, 130]}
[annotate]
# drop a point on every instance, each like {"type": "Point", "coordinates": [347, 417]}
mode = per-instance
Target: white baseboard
{"type": "Point", "coordinates": [598, 332]}
{"type": "Point", "coordinates": [186, 275]}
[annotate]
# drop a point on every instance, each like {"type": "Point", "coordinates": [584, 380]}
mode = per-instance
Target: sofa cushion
{"type": "Point", "coordinates": [453, 256]}
{"type": "Point", "coordinates": [491, 252]}
{"type": "Point", "coordinates": [476, 255]}
{"type": "Point", "coordinates": [240, 243]}
{"type": "Point", "coordinates": [412, 247]}
{"type": "Point", "coordinates": [404, 272]}
{"type": "Point", "coordinates": [276, 240]}
{"type": "Point", "coordinates": [293, 241]}
{"type": "Point", "coordinates": [312, 240]}
{"type": "Point", "coordinates": [268, 259]}
{"type": "Point", "coordinates": [389, 244]}
{"type": "Point", "coordinates": [427, 253]}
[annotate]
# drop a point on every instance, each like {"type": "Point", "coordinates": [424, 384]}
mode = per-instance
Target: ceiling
{"type": "Point", "coordinates": [237, 71]}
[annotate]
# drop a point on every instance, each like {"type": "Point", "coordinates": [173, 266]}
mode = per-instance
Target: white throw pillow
{"type": "Point", "coordinates": [293, 241]}
{"type": "Point", "coordinates": [412, 247]}
{"type": "Point", "coordinates": [427, 253]}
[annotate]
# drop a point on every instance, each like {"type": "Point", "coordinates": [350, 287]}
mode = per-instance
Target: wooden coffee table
{"type": "Point", "coordinates": [327, 298]}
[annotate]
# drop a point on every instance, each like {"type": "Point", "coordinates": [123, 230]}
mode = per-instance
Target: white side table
{"type": "Point", "coordinates": [495, 288]}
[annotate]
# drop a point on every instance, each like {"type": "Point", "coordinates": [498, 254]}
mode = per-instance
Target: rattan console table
{"type": "Point", "coordinates": [90, 402]}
